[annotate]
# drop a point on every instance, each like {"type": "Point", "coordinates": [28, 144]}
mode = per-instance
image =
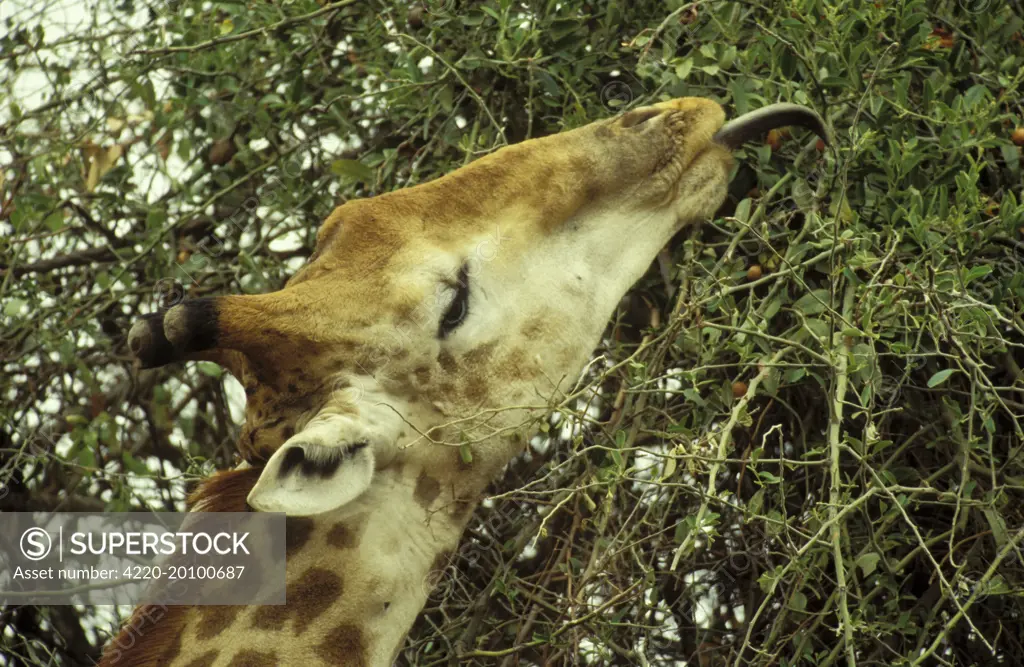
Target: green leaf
{"type": "Point", "coordinates": [271, 100]}
{"type": "Point", "coordinates": [55, 220]}
{"type": "Point", "coordinates": [86, 457]}
{"type": "Point", "coordinates": [975, 94]}
{"type": "Point", "coordinates": [353, 170]}
{"type": "Point", "coordinates": [1011, 156]}
{"type": "Point", "coordinates": [209, 368]}
{"type": "Point", "coordinates": [818, 327]}
{"type": "Point", "coordinates": [756, 502]}
{"type": "Point", "coordinates": [13, 307]}
{"type": "Point", "coordinates": [727, 58]}
{"type": "Point", "coordinates": [977, 272]}
{"type": "Point", "coordinates": [803, 196]}
{"type": "Point", "coordinates": [133, 465]}
{"type": "Point", "coordinates": [940, 377]}
{"type": "Point", "coordinates": [683, 69]}
{"type": "Point", "coordinates": [693, 396]}
{"type": "Point", "coordinates": [445, 96]}
{"type": "Point", "coordinates": [868, 562]}
{"type": "Point", "coordinates": [466, 453]}
{"type": "Point", "coordinates": [155, 219]}
{"type": "Point", "coordinates": [742, 212]}
{"type": "Point", "coordinates": [996, 586]}
{"type": "Point", "coordinates": [998, 526]}
{"type": "Point", "coordinates": [769, 578]}
{"type": "Point", "coordinates": [813, 303]}
{"type": "Point", "coordinates": [19, 214]}
{"type": "Point", "coordinates": [772, 308]}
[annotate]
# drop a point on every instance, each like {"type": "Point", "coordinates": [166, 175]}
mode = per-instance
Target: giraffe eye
{"type": "Point", "coordinates": [459, 307]}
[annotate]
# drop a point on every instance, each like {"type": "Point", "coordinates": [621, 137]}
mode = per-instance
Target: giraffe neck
{"type": "Point", "coordinates": [356, 580]}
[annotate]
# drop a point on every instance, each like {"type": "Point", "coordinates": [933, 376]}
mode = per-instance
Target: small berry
{"type": "Point", "coordinates": [222, 151]}
{"type": "Point", "coordinates": [739, 389]}
{"type": "Point", "coordinates": [1018, 136]}
{"type": "Point", "coordinates": [754, 272]}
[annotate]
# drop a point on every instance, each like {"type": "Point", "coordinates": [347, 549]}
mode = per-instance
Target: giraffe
{"type": "Point", "coordinates": [397, 372]}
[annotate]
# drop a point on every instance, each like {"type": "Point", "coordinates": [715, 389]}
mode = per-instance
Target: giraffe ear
{"type": "Point", "coordinates": [308, 476]}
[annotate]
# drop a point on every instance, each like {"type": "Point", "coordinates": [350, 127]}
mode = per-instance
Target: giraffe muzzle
{"type": "Point", "coordinates": [751, 125]}
{"type": "Point", "coordinates": [203, 328]}
{"type": "Point", "coordinates": [164, 337]}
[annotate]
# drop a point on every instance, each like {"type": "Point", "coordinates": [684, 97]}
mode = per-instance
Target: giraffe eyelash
{"type": "Point", "coordinates": [458, 310]}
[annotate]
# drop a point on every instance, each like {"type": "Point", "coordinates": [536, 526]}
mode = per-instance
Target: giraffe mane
{"type": "Point", "coordinates": [154, 630]}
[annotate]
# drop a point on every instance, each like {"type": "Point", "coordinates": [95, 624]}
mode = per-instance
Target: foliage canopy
{"type": "Point", "coordinates": [806, 442]}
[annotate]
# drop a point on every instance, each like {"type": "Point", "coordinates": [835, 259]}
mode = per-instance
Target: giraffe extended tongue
{"type": "Point", "coordinates": [750, 125]}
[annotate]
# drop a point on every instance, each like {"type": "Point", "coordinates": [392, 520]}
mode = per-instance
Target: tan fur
{"type": "Point", "coordinates": [347, 358]}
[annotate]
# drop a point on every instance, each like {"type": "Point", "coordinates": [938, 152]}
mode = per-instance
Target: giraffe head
{"type": "Point", "coordinates": [432, 322]}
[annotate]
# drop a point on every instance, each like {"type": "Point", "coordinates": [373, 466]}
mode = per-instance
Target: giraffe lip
{"type": "Point", "coordinates": [738, 131]}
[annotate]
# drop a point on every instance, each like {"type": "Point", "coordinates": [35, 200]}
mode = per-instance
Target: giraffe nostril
{"type": "Point", "coordinates": [638, 117]}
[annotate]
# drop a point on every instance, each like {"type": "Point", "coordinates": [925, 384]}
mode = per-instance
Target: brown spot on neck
{"type": "Point", "coordinates": [427, 489]}
{"type": "Point", "coordinates": [298, 530]}
{"type": "Point", "coordinates": [308, 597]}
{"type": "Point", "coordinates": [205, 660]}
{"type": "Point", "coordinates": [247, 658]}
{"type": "Point", "coordinates": [270, 617]}
{"type": "Point", "coordinates": [214, 620]}
{"type": "Point", "coordinates": [311, 596]}
{"type": "Point", "coordinates": [344, 645]}
{"type": "Point", "coordinates": [341, 536]}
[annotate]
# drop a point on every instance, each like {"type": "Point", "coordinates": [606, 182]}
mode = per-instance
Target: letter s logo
{"type": "Point", "coordinates": [36, 544]}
